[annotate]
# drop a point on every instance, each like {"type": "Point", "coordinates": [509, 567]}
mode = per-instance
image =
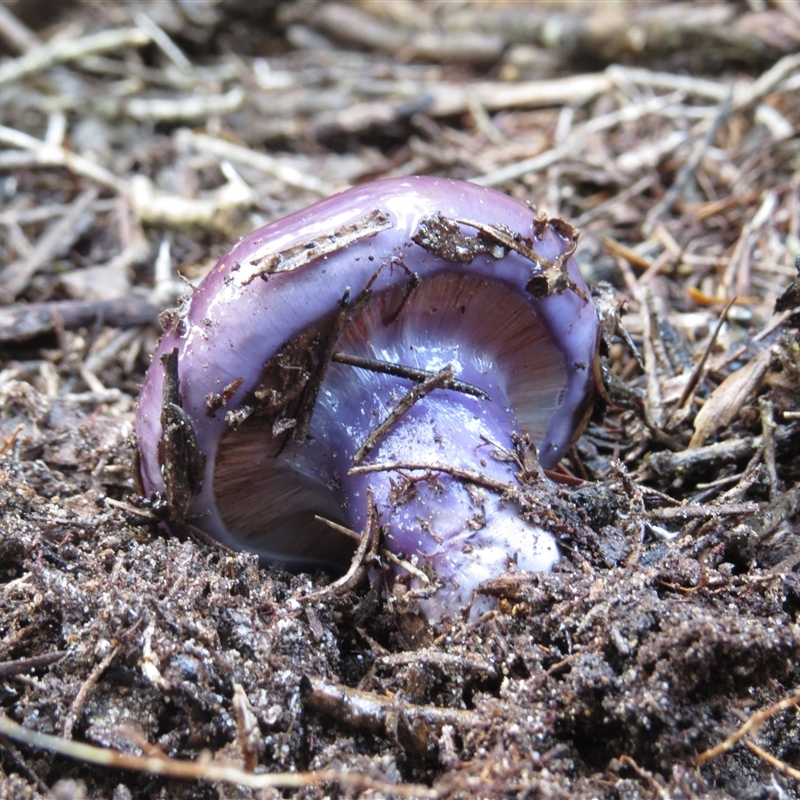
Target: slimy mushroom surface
{"type": "Point", "coordinates": [382, 352]}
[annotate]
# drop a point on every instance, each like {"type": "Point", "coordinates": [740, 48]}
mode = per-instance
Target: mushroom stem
{"type": "Point", "coordinates": [458, 529]}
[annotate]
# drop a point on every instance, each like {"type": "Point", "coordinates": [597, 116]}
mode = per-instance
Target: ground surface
{"type": "Point", "coordinates": [668, 135]}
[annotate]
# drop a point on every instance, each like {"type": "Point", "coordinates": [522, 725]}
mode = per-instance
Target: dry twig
{"type": "Point", "coordinates": [59, 51]}
{"type": "Point", "coordinates": [204, 768]}
{"type": "Point", "coordinates": [754, 722]}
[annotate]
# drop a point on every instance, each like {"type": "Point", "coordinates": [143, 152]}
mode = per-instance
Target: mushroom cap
{"type": "Point", "coordinates": [288, 276]}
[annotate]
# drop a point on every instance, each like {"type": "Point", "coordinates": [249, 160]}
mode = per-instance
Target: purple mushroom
{"type": "Point", "coordinates": [368, 358]}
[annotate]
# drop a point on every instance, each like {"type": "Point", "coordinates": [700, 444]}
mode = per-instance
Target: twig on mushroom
{"type": "Point", "coordinates": [403, 371]}
{"type": "Point", "coordinates": [343, 529]}
{"type": "Point", "coordinates": [439, 380]}
{"type": "Point", "coordinates": [506, 239]}
{"type": "Point", "coordinates": [308, 397]}
{"type": "Point", "coordinates": [406, 565]}
{"type": "Point", "coordinates": [368, 546]}
{"type": "Point", "coordinates": [371, 538]}
{"type": "Point", "coordinates": [467, 475]}
{"type": "Point", "coordinates": [183, 461]}
{"type": "Point", "coordinates": [265, 261]}
{"type": "Point", "coordinates": [554, 277]}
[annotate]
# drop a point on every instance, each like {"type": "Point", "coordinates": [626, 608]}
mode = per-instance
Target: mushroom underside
{"type": "Point", "coordinates": [489, 335]}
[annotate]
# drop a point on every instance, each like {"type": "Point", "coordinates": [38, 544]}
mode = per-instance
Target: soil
{"type": "Point", "coordinates": [667, 624]}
